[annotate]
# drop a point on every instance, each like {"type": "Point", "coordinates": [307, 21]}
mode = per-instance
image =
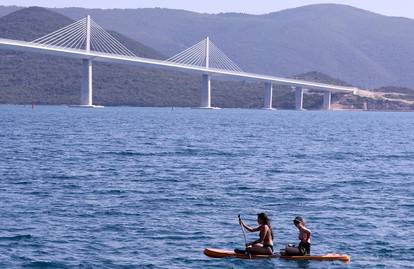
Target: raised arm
{"type": "Point", "coordinates": [263, 231]}
{"type": "Point", "coordinates": [247, 227]}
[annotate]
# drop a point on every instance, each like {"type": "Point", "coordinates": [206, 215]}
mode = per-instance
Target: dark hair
{"type": "Point", "coordinates": [266, 220]}
{"type": "Point", "coordinates": [298, 220]}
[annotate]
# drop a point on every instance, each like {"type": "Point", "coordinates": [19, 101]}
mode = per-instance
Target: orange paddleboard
{"type": "Point", "coordinates": [222, 253]}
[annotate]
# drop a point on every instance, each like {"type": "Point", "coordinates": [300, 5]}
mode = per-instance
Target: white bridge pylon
{"type": "Point", "coordinates": [205, 54]}
{"type": "Point", "coordinates": [85, 35]}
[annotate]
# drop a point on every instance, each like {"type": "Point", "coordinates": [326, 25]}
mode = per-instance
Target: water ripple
{"type": "Point", "coordinates": [150, 188]}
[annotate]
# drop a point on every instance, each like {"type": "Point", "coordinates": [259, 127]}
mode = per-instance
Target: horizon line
{"type": "Point", "coordinates": [208, 13]}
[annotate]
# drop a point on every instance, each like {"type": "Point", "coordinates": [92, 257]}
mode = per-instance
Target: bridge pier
{"type": "Point", "coordinates": [206, 92]}
{"type": "Point", "coordinates": [327, 97]}
{"type": "Point", "coordinates": [299, 98]}
{"type": "Point", "coordinates": [268, 96]}
{"type": "Point", "coordinates": [86, 90]}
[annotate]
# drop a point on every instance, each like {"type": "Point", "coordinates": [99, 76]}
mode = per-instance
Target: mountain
{"type": "Point", "coordinates": [29, 77]}
{"type": "Point", "coordinates": [4, 10]}
{"type": "Point", "coordinates": [34, 22]}
{"type": "Point", "coordinates": [363, 48]}
{"type": "Point", "coordinates": [354, 45]}
{"type": "Point", "coordinates": [43, 79]}
{"type": "Point", "coordinates": [31, 23]}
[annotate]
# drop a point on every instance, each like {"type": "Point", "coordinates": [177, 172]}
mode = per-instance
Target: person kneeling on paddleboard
{"type": "Point", "coordinates": [305, 240]}
{"type": "Point", "coordinates": [263, 245]}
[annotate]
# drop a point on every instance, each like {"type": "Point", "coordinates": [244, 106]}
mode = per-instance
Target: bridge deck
{"type": "Point", "coordinates": [132, 60]}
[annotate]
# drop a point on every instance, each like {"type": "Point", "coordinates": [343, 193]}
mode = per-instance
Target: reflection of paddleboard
{"type": "Point", "coordinates": [222, 253]}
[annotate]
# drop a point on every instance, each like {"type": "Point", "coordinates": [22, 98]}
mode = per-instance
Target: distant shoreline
{"type": "Point", "coordinates": [186, 107]}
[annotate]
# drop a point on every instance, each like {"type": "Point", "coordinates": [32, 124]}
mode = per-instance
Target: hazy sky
{"type": "Point", "coordinates": [404, 8]}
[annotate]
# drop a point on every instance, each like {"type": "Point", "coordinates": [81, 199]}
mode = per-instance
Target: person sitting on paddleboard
{"type": "Point", "coordinates": [305, 240]}
{"type": "Point", "coordinates": [263, 245]}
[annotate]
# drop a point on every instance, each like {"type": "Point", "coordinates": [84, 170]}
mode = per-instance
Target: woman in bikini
{"type": "Point", "coordinates": [263, 245]}
{"type": "Point", "coordinates": [305, 240]}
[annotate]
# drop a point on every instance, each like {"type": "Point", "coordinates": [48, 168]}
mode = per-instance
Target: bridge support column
{"type": "Point", "coordinates": [206, 92]}
{"type": "Point", "coordinates": [86, 91]}
{"type": "Point", "coordinates": [327, 96]}
{"type": "Point", "coordinates": [299, 98]}
{"type": "Point", "coordinates": [268, 95]}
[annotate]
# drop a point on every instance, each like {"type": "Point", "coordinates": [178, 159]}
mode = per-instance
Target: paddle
{"type": "Point", "coordinates": [244, 234]}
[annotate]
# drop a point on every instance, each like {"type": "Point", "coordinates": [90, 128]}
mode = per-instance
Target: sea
{"type": "Point", "coordinates": [128, 187]}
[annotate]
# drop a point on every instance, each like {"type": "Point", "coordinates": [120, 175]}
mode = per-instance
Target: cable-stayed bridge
{"type": "Point", "coordinates": [86, 40]}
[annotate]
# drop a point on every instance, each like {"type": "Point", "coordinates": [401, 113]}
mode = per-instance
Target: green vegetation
{"type": "Point", "coordinates": [43, 79]}
{"type": "Point", "coordinates": [363, 48]}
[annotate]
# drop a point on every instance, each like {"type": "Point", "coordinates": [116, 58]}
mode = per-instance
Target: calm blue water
{"type": "Point", "coordinates": [152, 187]}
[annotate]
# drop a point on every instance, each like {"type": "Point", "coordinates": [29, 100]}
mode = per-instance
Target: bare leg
{"type": "Point", "coordinates": [259, 250]}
